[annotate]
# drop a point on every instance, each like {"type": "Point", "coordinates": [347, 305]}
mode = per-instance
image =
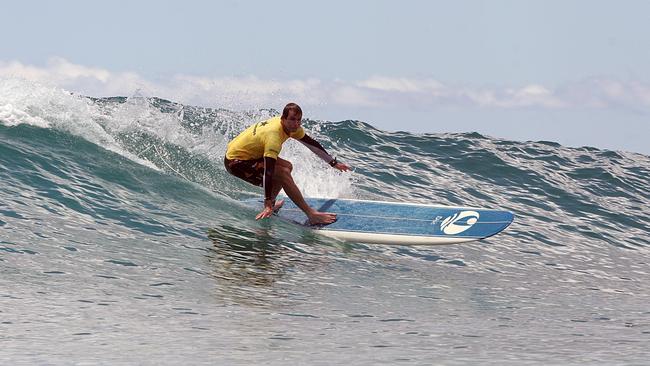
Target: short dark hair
{"type": "Point", "coordinates": [291, 107]}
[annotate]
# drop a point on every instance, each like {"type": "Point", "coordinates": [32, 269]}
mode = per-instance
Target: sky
{"type": "Point", "coordinates": [571, 71]}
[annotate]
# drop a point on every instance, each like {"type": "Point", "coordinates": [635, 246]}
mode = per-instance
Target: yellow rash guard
{"type": "Point", "coordinates": [252, 155]}
{"type": "Point", "coordinates": [263, 139]}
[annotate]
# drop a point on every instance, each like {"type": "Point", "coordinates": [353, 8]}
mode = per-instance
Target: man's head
{"type": "Point", "coordinates": [291, 117]}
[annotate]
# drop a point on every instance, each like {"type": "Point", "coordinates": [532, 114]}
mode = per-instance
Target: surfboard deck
{"type": "Point", "coordinates": [378, 222]}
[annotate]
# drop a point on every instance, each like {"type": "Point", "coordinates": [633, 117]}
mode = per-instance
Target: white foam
{"type": "Point", "coordinates": [314, 177]}
{"type": "Point", "coordinates": [12, 116]}
{"type": "Point", "coordinates": [26, 102]}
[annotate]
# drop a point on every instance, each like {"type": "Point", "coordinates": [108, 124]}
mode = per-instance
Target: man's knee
{"type": "Point", "coordinates": [286, 170]}
{"type": "Point", "coordinates": [283, 172]}
{"type": "Point", "coordinates": [286, 165]}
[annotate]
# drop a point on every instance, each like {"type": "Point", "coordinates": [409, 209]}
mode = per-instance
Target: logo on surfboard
{"type": "Point", "coordinates": [459, 222]}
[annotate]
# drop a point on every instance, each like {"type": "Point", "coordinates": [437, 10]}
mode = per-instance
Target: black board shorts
{"type": "Point", "coordinates": [251, 171]}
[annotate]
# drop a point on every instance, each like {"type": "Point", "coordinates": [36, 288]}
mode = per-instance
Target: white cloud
{"type": "Point", "coordinates": [58, 70]}
{"type": "Point", "coordinates": [376, 91]}
{"type": "Point", "coordinates": [404, 85]}
{"type": "Point", "coordinates": [347, 95]}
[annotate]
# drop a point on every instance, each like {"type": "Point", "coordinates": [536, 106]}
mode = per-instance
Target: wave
{"type": "Point", "coordinates": [562, 196]}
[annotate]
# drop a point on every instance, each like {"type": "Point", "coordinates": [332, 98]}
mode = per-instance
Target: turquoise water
{"type": "Point", "coordinates": [122, 241]}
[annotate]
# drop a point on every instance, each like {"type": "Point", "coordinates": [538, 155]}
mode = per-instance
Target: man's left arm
{"type": "Point", "coordinates": [319, 150]}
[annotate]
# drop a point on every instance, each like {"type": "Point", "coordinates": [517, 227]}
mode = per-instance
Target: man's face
{"type": "Point", "coordinates": [292, 122]}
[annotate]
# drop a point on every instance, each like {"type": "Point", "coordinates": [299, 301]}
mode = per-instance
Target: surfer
{"type": "Point", "coordinates": [253, 157]}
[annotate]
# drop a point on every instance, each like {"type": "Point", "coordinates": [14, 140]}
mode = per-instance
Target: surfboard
{"type": "Point", "coordinates": [378, 222]}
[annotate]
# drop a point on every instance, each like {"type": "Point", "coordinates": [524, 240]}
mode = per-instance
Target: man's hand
{"type": "Point", "coordinates": [342, 167]}
{"type": "Point", "coordinates": [270, 207]}
{"type": "Point", "coordinates": [266, 212]}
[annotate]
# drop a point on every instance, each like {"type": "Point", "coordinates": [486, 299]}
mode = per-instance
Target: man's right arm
{"type": "Point", "coordinates": [267, 181]}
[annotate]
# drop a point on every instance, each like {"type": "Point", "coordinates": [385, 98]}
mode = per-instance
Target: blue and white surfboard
{"type": "Point", "coordinates": [398, 223]}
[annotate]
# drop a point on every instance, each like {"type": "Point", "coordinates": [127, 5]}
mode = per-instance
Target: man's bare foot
{"type": "Point", "coordinates": [317, 218]}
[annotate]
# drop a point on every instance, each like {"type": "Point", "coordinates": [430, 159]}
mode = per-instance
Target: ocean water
{"type": "Point", "coordinates": [122, 242]}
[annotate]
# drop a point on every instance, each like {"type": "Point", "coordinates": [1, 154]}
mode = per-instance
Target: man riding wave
{"type": "Point", "coordinates": [253, 157]}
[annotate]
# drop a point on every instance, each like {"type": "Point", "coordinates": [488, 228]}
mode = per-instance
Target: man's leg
{"type": "Point", "coordinates": [282, 179]}
{"type": "Point", "coordinates": [251, 172]}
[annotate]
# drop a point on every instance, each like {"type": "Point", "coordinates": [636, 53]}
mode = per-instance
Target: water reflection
{"type": "Point", "coordinates": [248, 262]}
{"type": "Point", "coordinates": [268, 262]}
{"type": "Point", "coordinates": [248, 256]}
